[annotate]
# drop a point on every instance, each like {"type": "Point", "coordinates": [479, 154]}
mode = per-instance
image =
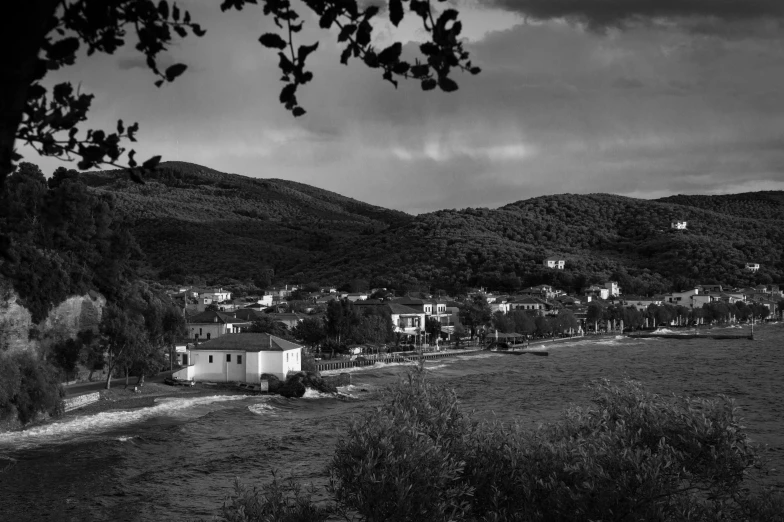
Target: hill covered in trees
{"type": "Point", "coordinates": [194, 221]}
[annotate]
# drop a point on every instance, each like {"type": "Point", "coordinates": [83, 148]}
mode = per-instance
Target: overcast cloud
{"type": "Point", "coordinates": [639, 97]}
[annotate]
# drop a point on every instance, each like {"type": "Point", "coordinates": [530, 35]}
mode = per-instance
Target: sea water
{"type": "Point", "coordinates": [178, 458]}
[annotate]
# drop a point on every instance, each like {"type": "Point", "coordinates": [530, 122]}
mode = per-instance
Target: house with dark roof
{"type": "Point", "coordinates": [211, 324]}
{"type": "Point", "coordinates": [528, 303]}
{"type": "Point", "coordinates": [241, 358]}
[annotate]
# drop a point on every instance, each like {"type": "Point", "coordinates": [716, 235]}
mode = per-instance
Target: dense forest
{"type": "Point", "coordinates": [194, 222]}
{"type": "Point", "coordinates": [191, 220]}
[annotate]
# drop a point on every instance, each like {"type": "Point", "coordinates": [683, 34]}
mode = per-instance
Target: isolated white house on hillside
{"type": "Point", "coordinates": [752, 267]}
{"type": "Point", "coordinates": [241, 358]}
{"type": "Point", "coordinates": [678, 225]}
{"type": "Point", "coordinates": [555, 262]}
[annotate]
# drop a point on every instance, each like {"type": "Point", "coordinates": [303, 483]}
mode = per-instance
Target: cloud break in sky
{"type": "Point", "coordinates": [637, 97]}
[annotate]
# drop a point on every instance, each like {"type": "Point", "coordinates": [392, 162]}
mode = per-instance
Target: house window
{"type": "Point", "coordinates": [208, 336]}
{"type": "Point", "coordinates": [210, 359]}
{"type": "Point", "coordinates": [228, 357]}
{"type": "Point", "coordinates": [239, 359]}
{"type": "Point", "coordinates": [200, 332]}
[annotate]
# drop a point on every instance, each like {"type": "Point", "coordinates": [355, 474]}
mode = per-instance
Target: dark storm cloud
{"type": "Point", "coordinates": [602, 14]}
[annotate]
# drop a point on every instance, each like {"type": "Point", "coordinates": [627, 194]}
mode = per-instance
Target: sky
{"type": "Point", "coordinates": [644, 98]}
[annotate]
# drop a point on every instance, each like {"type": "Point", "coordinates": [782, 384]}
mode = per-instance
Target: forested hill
{"type": "Point", "coordinates": [756, 205]}
{"type": "Point", "coordinates": [600, 236]}
{"type": "Point", "coordinates": [190, 219]}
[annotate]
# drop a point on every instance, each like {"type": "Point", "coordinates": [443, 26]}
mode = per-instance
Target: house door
{"type": "Point", "coordinates": [235, 369]}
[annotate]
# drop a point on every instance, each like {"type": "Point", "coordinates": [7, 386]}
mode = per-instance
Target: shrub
{"type": "Point", "coordinates": [402, 462]}
{"type": "Point", "coordinates": [275, 502]}
{"type": "Point", "coordinates": [632, 456]}
{"type": "Point", "coordinates": [28, 386]}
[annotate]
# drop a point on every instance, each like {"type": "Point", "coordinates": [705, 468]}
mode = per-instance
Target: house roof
{"type": "Point", "coordinates": [210, 316]}
{"type": "Point", "coordinates": [370, 302]}
{"type": "Point", "coordinates": [249, 314]}
{"type": "Point", "coordinates": [555, 258]}
{"type": "Point", "coordinates": [528, 300]}
{"type": "Point", "coordinates": [249, 342]}
{"type": "Point", "coordinates": [400, 309]}
{"type": "Point", "coordinates": [287, 316]}
{"type": "Point", "coordinates": [408, 301]}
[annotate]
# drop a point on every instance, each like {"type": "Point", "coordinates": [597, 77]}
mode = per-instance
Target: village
{"type": "Point", "coordinates": [278, 324]}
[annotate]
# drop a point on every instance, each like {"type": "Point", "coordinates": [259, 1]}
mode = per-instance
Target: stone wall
{"type": "Point", "coordinates": [80, 401]}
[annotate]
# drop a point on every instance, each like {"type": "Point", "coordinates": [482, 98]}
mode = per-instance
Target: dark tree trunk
{"type": "Point", "coordinates": [23, 26]}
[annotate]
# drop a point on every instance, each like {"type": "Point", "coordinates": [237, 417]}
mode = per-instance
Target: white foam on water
{"type": "Point", "coordinates": [310, 393]}
{"type": "Point", "coordinates": [352, 389]}
{"type": "Point", "coordinates": [478, 356]}
{"type": "Point", "coordinates": [126, 438]}
{"type": "Point", "coordinates": [104, 421]}
{"type": "Point", "coordinates": [262, 409]}
{"type": "Point", "coordinates": [436, 367]}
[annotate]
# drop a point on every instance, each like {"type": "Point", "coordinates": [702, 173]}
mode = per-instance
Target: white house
{"type": "Point", "coordinates": [752, 267]}
{"type": "Point", "coordinates": [555, 262]}
{"type": "Point", "coordinates": [217, 295]}
{"type": "Point", "coordinates": [678, 225]}
{"type": "Point", "coordinates": [407, 320]}
{"type": "Point", "coordinates": [613, 288]}
{"type": "Point", "coordinates": [595, 291]}
{"type": "Point", "coordinates": [682, 298]}
{"type": "Point", "coordinates": [241, 358]}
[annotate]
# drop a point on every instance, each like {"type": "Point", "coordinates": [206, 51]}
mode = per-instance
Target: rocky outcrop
{"type": "Point", "coordinates": [18, 332]}
{"type": "Point", "coordinates": [296, 384]}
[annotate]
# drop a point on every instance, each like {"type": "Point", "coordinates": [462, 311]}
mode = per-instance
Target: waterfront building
{"type": "Point", "coordinates": [240, 358]}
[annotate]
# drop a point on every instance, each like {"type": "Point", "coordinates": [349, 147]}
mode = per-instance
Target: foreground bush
{"type": "Point", "coordinates": [28, 386]}
{"type": "Point", "coordinates": [274, 502]}
{"type": "Point", "coordinates": [632, 456]}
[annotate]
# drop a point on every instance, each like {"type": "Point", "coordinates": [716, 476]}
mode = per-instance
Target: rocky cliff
{"type": "Point", "coordinates": [18, 332]}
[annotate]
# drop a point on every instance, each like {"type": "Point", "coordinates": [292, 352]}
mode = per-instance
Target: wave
{"type": "Point", "coordinates": [262, 409]}
{"type": "Point", "coordinates": [107, 420]}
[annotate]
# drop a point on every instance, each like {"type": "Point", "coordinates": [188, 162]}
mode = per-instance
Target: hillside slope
{"type": "Point", "coordinates": [190, 219]}
{"type": "Point", "coordinates": [601, 236]}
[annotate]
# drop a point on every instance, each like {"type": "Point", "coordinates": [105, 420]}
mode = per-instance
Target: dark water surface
{"type": "Point", "coordinates": [178, 459]}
